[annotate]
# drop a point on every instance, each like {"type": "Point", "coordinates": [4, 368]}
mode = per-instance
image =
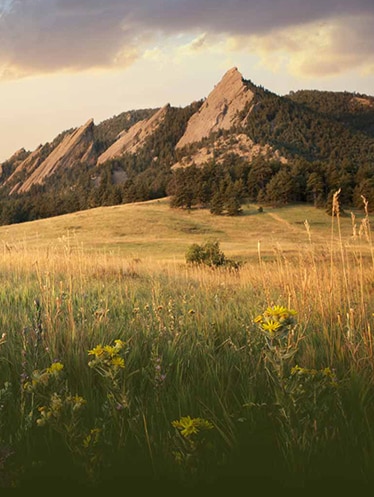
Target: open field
{"type": "Point", "coordinates": [152, 230]}
{"type": "Point", "coordinates": [121, 364]}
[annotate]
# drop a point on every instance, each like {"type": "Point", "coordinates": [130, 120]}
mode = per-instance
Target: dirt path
{"type": "Point", "coordinates": [290, 226]}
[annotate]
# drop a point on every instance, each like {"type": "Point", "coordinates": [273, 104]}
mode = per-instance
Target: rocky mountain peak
{"type": "Point", "coordinates": [220, 109]}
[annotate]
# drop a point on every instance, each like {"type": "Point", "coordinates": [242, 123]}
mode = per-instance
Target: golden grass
{"type": "Point", "coordinates": [120, 272]}
{"type": "Point", "coordinates": [153, 231]}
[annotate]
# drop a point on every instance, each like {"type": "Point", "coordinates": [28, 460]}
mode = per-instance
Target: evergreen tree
{"type": "Point", "coordinates": [315, 189]}
{"type": "Point", "coordinates": [281, 187]}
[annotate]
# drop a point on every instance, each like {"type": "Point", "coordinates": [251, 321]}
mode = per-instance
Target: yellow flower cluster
{"type": "Point", "coordinates": [56, 407]}
{"type": "Point", "coordinates": [275, 319]}
{"type": "Point", "coordinates": [42, 378]}
{"type": "Point", "coordinates": [311, 372]}
{"type": "Point", "coordinates": [191, 426]}
{"type": "Point", "coordinates": [55, 368]}
{"type": "Point", "coordinates": [108, 355]}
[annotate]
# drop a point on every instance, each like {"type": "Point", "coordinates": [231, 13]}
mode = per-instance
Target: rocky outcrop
{"type": "Point", "coordinates": [238, 144]}
{"type": "Point", "coordinates": [77, 146]}
{"type": "Point", "coordinates": [220, 110]}
{"type": "Point", "coordinates": [133, 139]}
{"type": "Point", "coordinates": [25, 168]}
{"type": "Point", "coordinates": [363, 102]}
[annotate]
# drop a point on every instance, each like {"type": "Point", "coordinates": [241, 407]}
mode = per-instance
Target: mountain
{"type": "Point", "coordinates": [241, 142]}
{"type": "Point", "coordinates": [220, 110]}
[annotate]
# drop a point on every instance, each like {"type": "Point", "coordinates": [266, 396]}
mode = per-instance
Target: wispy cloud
{"type": "Point", "coordinates": [319, 37]}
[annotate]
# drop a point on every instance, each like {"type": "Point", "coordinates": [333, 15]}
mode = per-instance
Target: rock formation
{"type": "Point", "coordinates": [75, 147]}
{"type": "Point", "coordinates": [238, 144]}
{"type": "Point", "coordinates": [131, 140]}
{"type": "Point", "coordinates": [220, 109]}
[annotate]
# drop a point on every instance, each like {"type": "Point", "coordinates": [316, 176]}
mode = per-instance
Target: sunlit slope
{"type": "Point", "coordinates": [154, 230]}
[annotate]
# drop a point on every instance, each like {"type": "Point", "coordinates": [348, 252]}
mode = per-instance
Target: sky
{"type": "Point", "coordinates": [63, 62]}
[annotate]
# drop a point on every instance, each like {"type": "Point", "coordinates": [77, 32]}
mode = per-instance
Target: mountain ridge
{"type": "Point", "coordinates": [134, 156]}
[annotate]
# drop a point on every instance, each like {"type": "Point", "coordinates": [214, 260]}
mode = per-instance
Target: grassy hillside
{"type": "Point", "coordinates": [154, 230]}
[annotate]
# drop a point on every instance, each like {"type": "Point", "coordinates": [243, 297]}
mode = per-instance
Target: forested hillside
{"type": "Point", "coordinates": [325, 153]}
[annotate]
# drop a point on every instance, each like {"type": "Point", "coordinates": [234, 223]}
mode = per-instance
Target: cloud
{"type": "Point", "coordinates": [39, 36]}
{"type": "Point", "coordinates": [315, 49]}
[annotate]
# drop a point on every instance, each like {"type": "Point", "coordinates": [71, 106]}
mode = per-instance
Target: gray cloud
{"type": "Point", "coordinates": [250, 16]}
{"type": "Point", "coordinates": [51, 35]}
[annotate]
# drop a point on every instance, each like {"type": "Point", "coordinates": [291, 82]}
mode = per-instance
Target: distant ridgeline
{"type": "Point", "coordinates": [242, 143]}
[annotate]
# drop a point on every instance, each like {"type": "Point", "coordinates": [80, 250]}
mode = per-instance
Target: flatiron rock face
{"type": "Point", "coordinates": [77, 146]}
{"type": "Point", "coordinates": [220, 109]}
{"type": "Point", "coordinates": [131, 140]}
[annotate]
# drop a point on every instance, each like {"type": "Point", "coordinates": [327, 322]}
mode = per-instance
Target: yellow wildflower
{"type": "Point", "coordinates": [271, 326]}
{"type": "Point", "coordinates": [280, 311]}
{"type": "Point", "coordinates": [55, 367]}
{"type": "Point", "coordinates": [297, 369]}
{"type": "Point", "coordinates": [190, 426]}
{"type": "Point", "coordinates": [77, 401]}
{"type": "Point", "coordinates": [111, 351]}
{"type": "Point", "coordinates": [118, 362]}
{"type": "Point", "coordinates": [96, 351]}
{"type": "Point", "coordinates": [119, 344]}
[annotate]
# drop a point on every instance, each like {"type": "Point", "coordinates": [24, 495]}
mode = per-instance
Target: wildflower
{"type": "Point", "coordinates": [44, 416]}
{"type": "Point", "coordinates": [118, 362]}
{"type": "Point", "coordinates": [119, 344]}
{"type": "Point", "coordinates": [77, 401]}
{"type": "Point", "coordinates": [271, 326]}
{"type": "Point", "coordinates": [275, 320]}
{"type": "Point", "coordinates": [190, 426]}
{"type": "Point", "coordinates": [96, 351]}
{"type": "Point", "coordinates": [297, 369]}
{"type": "Point", "coordinates": [110, 351]}
{"type": "Point", "coordinates": [56, 404]}
{"type": "Point", "coordinates": [55, 368]}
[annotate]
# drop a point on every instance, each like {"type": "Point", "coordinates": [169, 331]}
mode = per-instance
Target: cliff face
{"type": "Point", "coordinates": [220, 109]}
{"type": "Point", "coordinates": [132, 140]}
{"type": "Point", "coordinates": [77, 146]}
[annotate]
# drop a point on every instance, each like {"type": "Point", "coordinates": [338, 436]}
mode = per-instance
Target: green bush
{"type": "Point", "coordinates": [209, 254]}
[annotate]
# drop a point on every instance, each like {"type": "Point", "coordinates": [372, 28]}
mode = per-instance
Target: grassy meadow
{"type": "Point", "coordinates": [121, 364]}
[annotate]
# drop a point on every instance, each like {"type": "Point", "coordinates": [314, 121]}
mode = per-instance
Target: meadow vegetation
{"type": "Point", "coordinates": [122, 363]}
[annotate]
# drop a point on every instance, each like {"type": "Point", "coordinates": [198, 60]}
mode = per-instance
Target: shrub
{"type": "Point", "coordinates": [209, 254]}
